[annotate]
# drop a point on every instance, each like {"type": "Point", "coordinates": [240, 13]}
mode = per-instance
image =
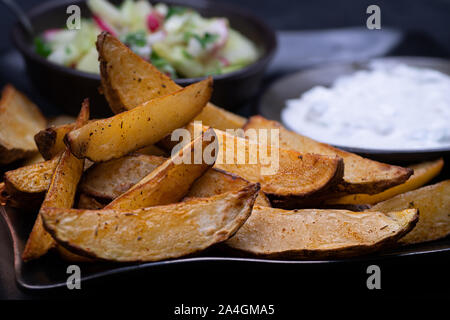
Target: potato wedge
{"type": "Point", "coordinates": [216, 181]}
{"type": "Point", "coordinates": [151, 234]}
{"type": "Point", "coordinates": [360, 175]}
{"type": "Point", "coordinates": [110, 179]}
{"type": "Point", "coordinates": [128, 81]}
{"type": "Point", "coordinates": [35, 158]}
{"type": "Point", "coordinates": [144, 125]}
{"type": "Point", "coordinates": [433, 203]}
{"type": "Point", "coordinates": [291, 175]}
{"type": "Point", "coordinates": [153, 150]}
{"type": "Point", "coordinates": [171, 181]}
{"type": "Point", "coordinates": [3, 194]}
{"type": "Point", "coordinates": [20, 120]}
{"type": "Point", "coordinates": [50, 141]}
{"type": "Point", "coordinates": [318, 234]}
{"type": "Point", "coordinates": [423, 172]}
{"type": "Point", "coordinates": [26, 186]}
{"type": "Point", "coordinates": [66, 255]}
{"type": "Point", "coordinates": [87, 202]}
{"type": "Point", "coordinates": [60, 194]}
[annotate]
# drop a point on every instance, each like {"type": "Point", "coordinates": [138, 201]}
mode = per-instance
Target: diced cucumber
{"type": "Point", "coordinates": [89, 62]}
{"type": "Point", "coordinates": [239, 50]}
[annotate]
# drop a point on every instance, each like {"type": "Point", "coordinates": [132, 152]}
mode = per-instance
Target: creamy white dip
{"type": "Point", "coordinates": [390, 106]}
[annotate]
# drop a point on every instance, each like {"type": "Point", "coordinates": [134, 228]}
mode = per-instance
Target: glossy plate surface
{"type": "Point", "coordinates": [50, 271]}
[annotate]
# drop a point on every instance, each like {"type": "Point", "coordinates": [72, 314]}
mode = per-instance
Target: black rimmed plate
{"type": "Point", "coordinates": [294, 85]}
{"type": "Point", "coordinates": [49, 272]}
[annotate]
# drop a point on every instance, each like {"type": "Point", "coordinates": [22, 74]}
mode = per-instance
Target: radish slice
{"type": "Point", "coordinates": [103, 25]}
{"type": "Point", "coordinates": [224, 61]}
{"type": "Point", "coordinates": [154, 21]}
{"type": "Point", "coordinates": [50, 34]}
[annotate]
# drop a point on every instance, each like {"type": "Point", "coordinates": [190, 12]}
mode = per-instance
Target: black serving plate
{"type": "Point", "coordinates": [49, 272]}
{"type": "Point", "coordinates": [294, 85]}
{"type": "Point", "coordinates": [66, 87]}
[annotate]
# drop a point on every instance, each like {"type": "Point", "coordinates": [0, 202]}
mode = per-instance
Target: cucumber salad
{"type": "Point", "coordinates": [177, 40]}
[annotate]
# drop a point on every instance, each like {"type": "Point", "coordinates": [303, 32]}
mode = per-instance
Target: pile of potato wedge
{"type": "Point", "coordinates": [118, 189]}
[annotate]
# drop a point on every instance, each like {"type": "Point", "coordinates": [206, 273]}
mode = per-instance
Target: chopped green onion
{"type": "Point", "coordinates": [175, 11]}
{"type": "Point", "coordinates": [42, 48]}
{"type": "Point", "coordinates": [162, 65]}
{"type": "Point", "coordinates": [207, 38]}
{"type": "Point", "coordinates": [187, 55]}
{"type": "Point", "coordinates": [138, 39]}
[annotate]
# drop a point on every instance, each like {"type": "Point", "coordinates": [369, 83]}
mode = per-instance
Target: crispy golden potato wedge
{"type": "Point", "coordinates": [66, 255]}
{"type": "Point", "coordinates": [110, 179]}
{"type": "Point", "coordinates": [26, 186]}
{"type": "Point", "coordinates": [318, 234]}
{"type": "Point", "coordinates": [3, 195]}
{"type": "Point", "coordinates": [128, 81]}
{"type": "Point", "coordinates": [155, 233]}
{"type": "Point", "coordinates": [20, 120]}
{"type": "Point", "coordinates": [60, 194]}
{"type": "Point", "coordinates": [153, 150]}
{"type": "Point", "coordinates": [35, 158]}
{"type": "Point", "coordinates": [61, 120]}
{"type": "Point", "coordinates": [50, 141]}
{"type": "Point", "coordinates": [423, 172]}
{"type": "Point", "coordinates": [290, 175]}
{"type": "Point", "coordinates": [433, 203]}
{"type": "Point", "coordinates": [360, 175]}
{"type": "Point", "coordinates": [88, 202]}
{"type": "Point", "coordinates": [216, 181]}
{"type": "Point", "coordinates": [144, 125]}
{"type": "Point", "coordinates": [171, 181]}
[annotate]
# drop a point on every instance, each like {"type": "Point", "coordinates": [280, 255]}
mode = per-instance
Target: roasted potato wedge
{"type": "Point", "coordinates": [318, 234]}
{"type": "Point", "coordinates": [20, 120]}
{"type": "Point", "coordinates": [108, 180]}
{"type": "Point", "coordinates": [423, 172]}
{"type": "Point", "coordinates": [128, 81]}
{"type": "Point", "coordinates": [155, 233]}
{"type": "Point", "coordinates": [144, 125]}
{"type": "Point", "coordinates": [171, 181]}
{"type": "Point", "coordinates": [50, 141]}
{"type": "Point", "coordinates": [88, 202]}
{"type": "Point", "coordinates": [66, 255]}
{"type": "Point", "coordinates": [291, 175]}
{"type": "Point", "coordinates": [153, 151]}
{"type": "Point", "coordinates": [360, 175]}
{"type": "Point", "coordinates": [26, 186]}
{"type": "Point", "coordinates": [433, 203]}
{"type": "Point", "coordinates": [216, 181]}
{"type": "Point", "coordinates": [60, 194]}
{"type": "Point", "coordinates": [3, 195]}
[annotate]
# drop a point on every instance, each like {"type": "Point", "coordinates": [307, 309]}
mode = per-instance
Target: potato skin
{"type": "Point", "coordinates": [50, 141]}
{"type": "Point", "coordinates": [19, 120]}
{"type": "Point", "coordinates": [128, 81]}
{"type": "Point", "coordinates": [154, 233]}
{"type": "Point", "coordinates": [298, 175]}
{"type": "Point", "coordinates": [361, 175]}
{"type": "Point", "coordinates": [433, 202]}
{"type": "Point", "coordinates": [26, 186]}
{"type": "Point", "coordinates": [319, 234]}
{"type": "Point", "coordinates": [61, 194]}
{"type": "Point", "coordinates": [144, 125]}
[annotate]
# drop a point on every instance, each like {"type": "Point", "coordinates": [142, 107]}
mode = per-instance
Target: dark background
{"type": "Point", "coordinates": [426, 24]}
{"type": "Point", "coordinates": [427, 18]}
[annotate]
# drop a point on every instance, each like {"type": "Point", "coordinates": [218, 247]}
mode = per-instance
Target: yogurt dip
{"type": "Point", "coordinates": [390, 106]}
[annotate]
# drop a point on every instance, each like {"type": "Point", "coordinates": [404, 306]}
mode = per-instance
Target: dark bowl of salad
{"type": "Point", "coordinates": [185, 39]}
